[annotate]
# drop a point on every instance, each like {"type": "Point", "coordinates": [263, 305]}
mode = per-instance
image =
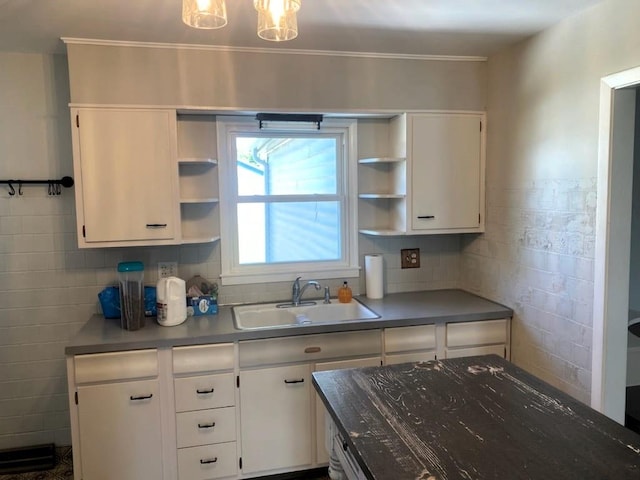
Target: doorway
{"type": "Point", "coordinates": [613, 242]}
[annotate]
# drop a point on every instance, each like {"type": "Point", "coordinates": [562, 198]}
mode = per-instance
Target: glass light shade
{"type": "Point", "coordinates": [204, 13]}
{"type": "Point", "coordinates": [280, 27]}
{"type": "Point", "coordinates": [277, 5]}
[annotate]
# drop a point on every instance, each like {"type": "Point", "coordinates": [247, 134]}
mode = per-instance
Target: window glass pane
{"type": "Point", "coordinates": [284, 165]}
{"type": "Point", "coordinates": [289, 232]}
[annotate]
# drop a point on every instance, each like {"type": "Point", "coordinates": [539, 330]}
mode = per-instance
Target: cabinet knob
{"type": "Point", "coordinates": [208, 460]}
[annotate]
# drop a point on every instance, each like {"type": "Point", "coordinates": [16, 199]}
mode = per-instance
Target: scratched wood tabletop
{"type": "Point", "coordinates": [472, 418]}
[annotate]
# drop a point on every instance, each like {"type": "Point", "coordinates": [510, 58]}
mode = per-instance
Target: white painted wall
{"type": "Point", "coordinates": [538, 251]}
{"type": "Point", "coordinates": [634, 274]}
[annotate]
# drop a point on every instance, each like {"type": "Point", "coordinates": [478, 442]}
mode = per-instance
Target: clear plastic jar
{"type": "Point", "coordinates": [130, 278]}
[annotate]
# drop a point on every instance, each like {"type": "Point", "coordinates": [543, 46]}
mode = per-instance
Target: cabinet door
{"type": "Point", "coordinates": [411, 357]}
{"type": "Point", "coordinates": [275, 417]}
{"type": "Point", "coordinates": [446, 171]}
{"type": "Point", "coordinates": [323, 443]}
{"type": "Point", "coordinates": [120, 434]}
{"type": "Point", "coordinates": [126, 170]}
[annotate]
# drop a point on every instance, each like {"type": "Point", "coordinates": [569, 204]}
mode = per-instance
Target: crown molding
{"type": "Point", "coordinates": [278, 51]}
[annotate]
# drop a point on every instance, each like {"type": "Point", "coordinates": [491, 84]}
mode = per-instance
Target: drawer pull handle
{"type": "Point", "coordinates": [300, 380]}
{"type": "Point", "coordinates": [209, 460]}
{"type": "Point", "coordinates": [207, 425]}
{"type": "Point", "coordinates": [140, 397]}
{"type": "Point", "coordinates": [204, 392]}
{"type": "Point", "coordinates": [156, 225]}
{"type": "Point", "coordinates": [312, 350]}
{"type": "Point", "coordinates": [426, 216]}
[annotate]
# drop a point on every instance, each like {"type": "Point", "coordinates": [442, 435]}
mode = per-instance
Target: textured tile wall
{"type": "Point", "coordinates": [537, 257]}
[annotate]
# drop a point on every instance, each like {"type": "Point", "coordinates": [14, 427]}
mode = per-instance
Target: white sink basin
{"type": "Point", "coordinates": [274, 315]}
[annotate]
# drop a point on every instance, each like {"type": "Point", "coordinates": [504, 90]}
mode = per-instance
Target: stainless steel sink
{"type": "Point", "coordinates": [276, 315]}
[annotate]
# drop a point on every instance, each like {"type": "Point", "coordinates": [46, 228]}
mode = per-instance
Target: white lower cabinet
{"type": "Point", "coordinates": [281, 429]}
{"type": "Point", "coordinates": [322, 448]}
{"type": "Point", "coordinates": [230, 411]}
{"type": "Point", "coordinates": [275, 418]}
{"type": "Point", "coordinates": [204, 394]}
{"type": "Point", "coordinates": [116, 416]}
{"type": "Point", "coordinates": [120, 431]}
{"type": "Point", "coordinates": [466, 339]}
{"type": "Point", "coordinates": [409, 344]}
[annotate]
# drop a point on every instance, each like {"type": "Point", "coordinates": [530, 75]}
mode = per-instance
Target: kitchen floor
{"type": "Point", "coordinates": [64, 471]}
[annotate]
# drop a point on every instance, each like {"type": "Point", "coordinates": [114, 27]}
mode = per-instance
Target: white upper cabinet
{"type": "Point", "coordinates": [447, 172]}
{"type": "Point", "coordinates": [126, 176]}
{"type": "Point", "coordinates": [421, 173]}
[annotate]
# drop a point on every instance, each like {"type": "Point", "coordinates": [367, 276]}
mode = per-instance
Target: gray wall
{"type": "Point", "coordinates": [538, 251]}
{"type": "Point", "coordinates": [261, 80]}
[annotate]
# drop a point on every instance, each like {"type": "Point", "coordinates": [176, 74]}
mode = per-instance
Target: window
{"type": "Point", "coordinates": [288, 201]}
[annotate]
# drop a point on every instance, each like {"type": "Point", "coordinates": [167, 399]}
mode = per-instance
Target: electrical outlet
{"type": "Point", "coordinates": [410, 258]}
{"type": "Point", "coordinates": [167, 269]}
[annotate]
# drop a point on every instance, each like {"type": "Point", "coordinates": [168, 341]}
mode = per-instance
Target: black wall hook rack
{"type": "Point", "coordinates": [53, 185]}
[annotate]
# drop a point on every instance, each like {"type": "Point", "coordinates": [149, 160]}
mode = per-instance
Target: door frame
{"type": "Point", "coordinates": [613, 240]}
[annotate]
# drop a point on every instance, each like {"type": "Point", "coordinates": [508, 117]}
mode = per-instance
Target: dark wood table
{"type": "Point", "coordinates": [471, 418]}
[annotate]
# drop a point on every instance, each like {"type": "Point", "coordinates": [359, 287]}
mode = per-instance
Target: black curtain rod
{"type": "Point", "coordinates": [54, 185]}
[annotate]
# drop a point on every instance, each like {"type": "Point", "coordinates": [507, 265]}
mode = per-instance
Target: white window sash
{"type": "Point", "coordinates": [232, 272]}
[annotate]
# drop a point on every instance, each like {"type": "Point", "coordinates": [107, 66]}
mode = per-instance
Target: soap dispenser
{"type": "Point", "coordinates": [344, 293]}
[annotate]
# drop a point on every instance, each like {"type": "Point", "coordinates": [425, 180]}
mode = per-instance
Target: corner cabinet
{"type": "Point", "coordinates": [429, 178]}
{"type": "Point", "coordinates": [126, 176]}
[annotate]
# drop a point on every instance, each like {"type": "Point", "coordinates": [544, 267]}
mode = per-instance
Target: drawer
{"type": "Point", "coordinates": [206, 391]}
{"type": "Point", "coordinates": [209, 461]}
{"type": "Point", "coordinates": [472, 351]}
{"type": "Point", "coordinates": [412, 357]}
{"type": "Point", "coordinates": [202, 358]}
{"type": "Point", "coordinates": [104, 367]}
{"type": "Point", "coordinates": [206, 426]}
{"type": "Point", "coordinates": [404, 339]}
{"type": "Point", "coordinates": [309, 348]}
{"type": "Point", "coordinates": [476, 333]}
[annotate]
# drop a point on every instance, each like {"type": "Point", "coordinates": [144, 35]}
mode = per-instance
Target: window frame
{"type": "Point", "coordinates": [232, 272]}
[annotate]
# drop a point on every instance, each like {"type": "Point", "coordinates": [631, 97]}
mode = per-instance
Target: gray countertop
{"type": "Point", "coordinates": [101, 335]}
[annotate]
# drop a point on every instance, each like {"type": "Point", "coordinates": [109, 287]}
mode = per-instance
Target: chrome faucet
{"type": "Point", "coordinates": [297, 291]}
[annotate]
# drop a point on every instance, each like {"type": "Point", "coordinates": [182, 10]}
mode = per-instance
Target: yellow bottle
{"type": "Point", "coordinates": [344, 293]}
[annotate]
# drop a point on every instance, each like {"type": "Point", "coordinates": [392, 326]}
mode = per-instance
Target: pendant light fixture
{"type": "Point", "coordinates": [206, 14]}
{"type": "Point", "coordinates": [277, 19]}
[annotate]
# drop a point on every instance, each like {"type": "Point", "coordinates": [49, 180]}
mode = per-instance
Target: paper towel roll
{"type": "Point", "coordinates": [373, 271]}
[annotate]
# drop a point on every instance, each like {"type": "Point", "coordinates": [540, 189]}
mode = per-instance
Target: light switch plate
{"type": "Point", "coordinates": [410, 258]}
